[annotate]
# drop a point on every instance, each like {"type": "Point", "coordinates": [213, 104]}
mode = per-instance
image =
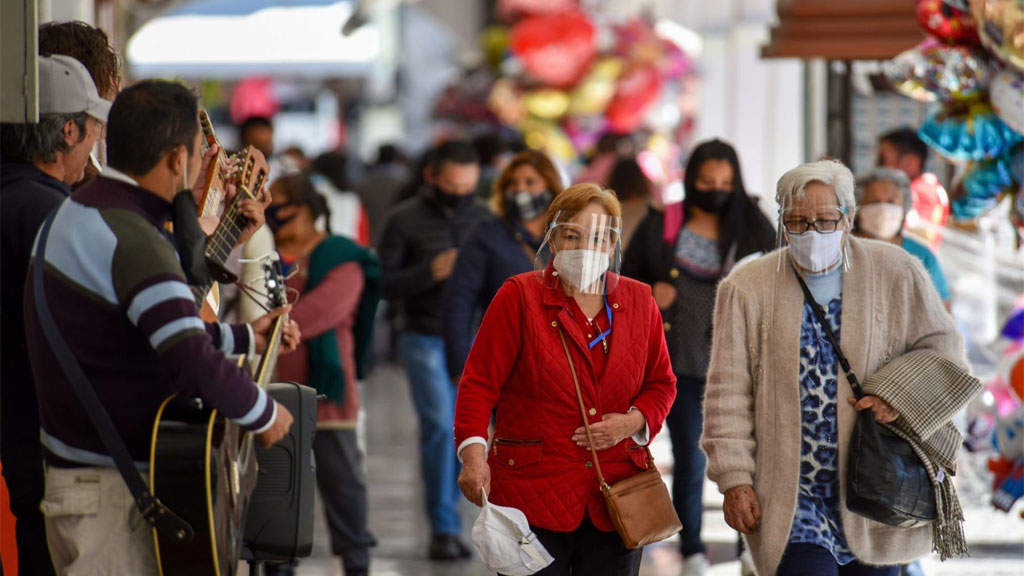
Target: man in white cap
{"type": "Point", "coordinates": [38, 163]}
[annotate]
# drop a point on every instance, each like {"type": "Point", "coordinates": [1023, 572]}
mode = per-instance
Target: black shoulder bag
{"type": "Point", "coordinates": [156, 514]}
{"type": "Point", "coordinates": [885, 480]}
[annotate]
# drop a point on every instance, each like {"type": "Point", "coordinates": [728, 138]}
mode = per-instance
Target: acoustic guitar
{"type": "Point", "coordinates": [203, 466]}
{"type": "Point", "coordinates": [249, 169]}
{"type": "Point", "coordinates": [251, 176]}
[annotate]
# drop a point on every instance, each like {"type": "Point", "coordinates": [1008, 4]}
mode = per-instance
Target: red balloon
{"type": "Point", "coordinates": [946, 23]}
{"type": "Point", "coordinates": [555, 49]}
{"type": "Point", "coordinates": [637, 91]}
{"type": "Point", "coordinates": [512, 9]}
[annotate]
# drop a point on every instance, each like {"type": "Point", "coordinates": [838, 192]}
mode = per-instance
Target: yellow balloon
{"type": "Point", "coordinates": [547, 103]}
{"type": "Point", "coordinates": [494, 40]}
{"type": "Point", "coordinates": [549, 138]}
{"type": "Point", "coordinates": [596, 89]}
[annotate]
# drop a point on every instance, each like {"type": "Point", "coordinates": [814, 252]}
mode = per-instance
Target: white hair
{"type": "Point", "coordinates": [896, 177]}
{"type": "Point", "coordinates": [830, 172]}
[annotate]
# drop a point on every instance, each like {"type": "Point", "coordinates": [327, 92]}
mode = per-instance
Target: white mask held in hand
{"type": "Point", "coordinates": [505, 542]}
{"type": "Point", "coordinates": [881, 220]}
{"type": "Point", "coordinates": [581, 268]}
{"type": "Point", "coordinates": [816, 252]}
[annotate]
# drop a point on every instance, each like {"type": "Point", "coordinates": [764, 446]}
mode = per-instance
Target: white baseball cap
{"type": "Point", "coordinates": [65, 87]}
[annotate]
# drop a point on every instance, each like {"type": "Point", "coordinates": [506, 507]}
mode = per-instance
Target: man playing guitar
{"type": "Point", "coordinates": [118, 296]}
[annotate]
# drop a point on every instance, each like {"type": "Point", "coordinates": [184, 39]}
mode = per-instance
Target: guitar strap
{"type": "Point", "coordinates": [159, 516]}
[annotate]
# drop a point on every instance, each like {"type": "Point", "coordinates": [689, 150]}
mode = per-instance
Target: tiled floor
{"type": "Point", "coordinates": [399, 522]}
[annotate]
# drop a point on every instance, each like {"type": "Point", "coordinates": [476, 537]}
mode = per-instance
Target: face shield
{"type": "Point", "coordinates": [582, 252]}
{"type": "Point", "coordinates": [814, 225]}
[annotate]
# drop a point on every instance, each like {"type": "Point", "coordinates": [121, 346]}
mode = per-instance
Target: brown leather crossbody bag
{"type": "Point", "coordinates": [640, 506]}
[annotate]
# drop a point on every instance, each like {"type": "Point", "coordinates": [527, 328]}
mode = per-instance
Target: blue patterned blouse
{"type": "Point", "coordinates": [698, 255]}
{"type": "Point", "coordinates": [817, 518]}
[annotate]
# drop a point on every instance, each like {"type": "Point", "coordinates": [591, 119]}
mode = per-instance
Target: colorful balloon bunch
{"type": "Point", "coordinates": [971, 68]}
{"type": "Point", "coordinates": [563, 77]}
{"type": "Point", "coordinates": [996, 417]}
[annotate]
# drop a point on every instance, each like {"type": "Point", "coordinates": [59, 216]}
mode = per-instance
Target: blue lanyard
{"type": "Point", "coordinates": [603, 335]}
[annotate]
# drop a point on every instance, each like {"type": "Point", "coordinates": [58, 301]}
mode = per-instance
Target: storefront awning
{"type": "Point", "coordinates": [231, 39]}
{"type": "Point", "coordinates": [859, 30]}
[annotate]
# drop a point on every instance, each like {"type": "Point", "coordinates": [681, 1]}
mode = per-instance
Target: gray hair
{"type": "Point", "coordinates": [42, 141]}
{"type": "Point", "coordinates": [830, 172]}
{"type": "Point", "coordinates": [898, 179]}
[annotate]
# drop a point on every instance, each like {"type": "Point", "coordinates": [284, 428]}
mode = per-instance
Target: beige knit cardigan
{"type": "Point", "coordinates": [752, 400]}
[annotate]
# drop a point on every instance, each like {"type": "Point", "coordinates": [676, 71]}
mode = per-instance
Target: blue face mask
{"type": "Point", "coordinates": [525, 206]}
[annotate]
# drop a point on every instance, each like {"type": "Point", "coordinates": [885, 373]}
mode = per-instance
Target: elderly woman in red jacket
{"type": "Point", "coordinates": [539, 460]}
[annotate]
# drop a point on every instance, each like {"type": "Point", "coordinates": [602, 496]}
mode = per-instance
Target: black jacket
{"type": "Point", "coordinates": [417, 230]}
{"type": "Point", "coordinates": [688, 321]}
{"type": "Point", "coordinates": [492, 255]}
{"type": "Point", "coordinates": [650, 259]}
{"type": "Point", "coordinates": [27, 196]}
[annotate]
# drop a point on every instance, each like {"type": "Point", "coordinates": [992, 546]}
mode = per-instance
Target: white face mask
{"type": "Point", "coordinates": [881, 220]}
{"type": "Point", "coordinates": [581, 268]}
{"type": "Point", "coordinates": [816, 252]}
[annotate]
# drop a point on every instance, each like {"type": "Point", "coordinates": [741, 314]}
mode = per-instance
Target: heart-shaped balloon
{"type": "Point", "coordinates": [592, 94]}
{"type": "Point", "coordinates": [637, 91]}
{"type": "Point", "coordinates": [546, 103]}
{"type": "Point", "coordinates": [933, 71]}
{"type": "Point", "coordinates": [1001, 29]}
{"type": "Point", "coordinates": [947, 23]}
{"type": "Point", "coordinates": [967, 133]}
{"type": "Point", "coordinates": [549, 138]}
{"type": "Point", "coordinates": [555, 49]}
{"type": "Point", "coordinates": [1007, 96]}
{"type": "Point", "coordinates": [987, 180]}
{"type": "Point", "coordinates": [513, 9]}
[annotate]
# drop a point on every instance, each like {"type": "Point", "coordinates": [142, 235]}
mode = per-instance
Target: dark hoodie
{"type": "Point", "coordinates": [27, 196]}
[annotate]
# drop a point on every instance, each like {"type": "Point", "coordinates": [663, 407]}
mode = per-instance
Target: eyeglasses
{"type": "Point", "coordinates": [801, 225]}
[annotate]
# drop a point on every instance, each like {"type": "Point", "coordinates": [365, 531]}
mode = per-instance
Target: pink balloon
{"type": "Point", "coordinates": [637, 91]}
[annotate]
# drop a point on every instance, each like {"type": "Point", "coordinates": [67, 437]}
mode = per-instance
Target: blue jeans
{"type": "Point", "coordinates": [809, 560]}
{"type": "Point", "coordinates": [434, 397]}
{"type": "Point", "coordinates": [685, 421]}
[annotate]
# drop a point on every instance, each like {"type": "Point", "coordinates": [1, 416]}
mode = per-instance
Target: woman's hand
{"type": "Point", "coordinates": [884, 413]}
{"type": "Point", "coordinates": [476, 473]}
{"type": "Point", "coordinates": [742, 509]}
{"type": "Point", "coordinates": [612, 429]}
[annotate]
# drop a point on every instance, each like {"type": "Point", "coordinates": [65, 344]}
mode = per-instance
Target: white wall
{"type": "Point", "coordinates": [756, 104]}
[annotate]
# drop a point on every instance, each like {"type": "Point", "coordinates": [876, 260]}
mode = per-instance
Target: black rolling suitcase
{"type": "Point", "coordinates": [279, 523]}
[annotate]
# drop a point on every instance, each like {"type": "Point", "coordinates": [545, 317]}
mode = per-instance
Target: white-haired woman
{"type": "Point", "coordinates": [778, 411]}
{"type": "Point", "coordinates": [883, 201]}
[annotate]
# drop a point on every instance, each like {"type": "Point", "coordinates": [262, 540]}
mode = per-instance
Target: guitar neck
{"type": "Point", "coordinates": [268, 361]}
{"type": "Point", "coordinates": [220, 244]}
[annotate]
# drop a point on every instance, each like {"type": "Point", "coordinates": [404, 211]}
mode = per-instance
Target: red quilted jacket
{"type": "Point", "coordinates": [517, 365]}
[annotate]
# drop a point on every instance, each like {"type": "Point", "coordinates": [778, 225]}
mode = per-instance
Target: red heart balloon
{"type": "Point", "coordinates": [637, 91]}
{"type": "Point", "coordinates": [555, 49]}
{"type": "Point", "coordinates": [510, 10]}
{"type": "Point", "coordinates": [946, 23]}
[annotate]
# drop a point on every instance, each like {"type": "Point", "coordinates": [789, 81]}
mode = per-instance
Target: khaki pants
{"type": "Point", "coordinates": [93, 526]}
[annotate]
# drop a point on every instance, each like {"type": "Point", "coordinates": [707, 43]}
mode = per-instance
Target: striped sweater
{"type": "Point", "coordinates": [118, 295]}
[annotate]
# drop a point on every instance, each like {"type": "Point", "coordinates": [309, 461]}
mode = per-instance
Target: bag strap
{"type": "Point", "coordinates": [820, 314]}
{"type": "Point", "coordinates": [156, 514]}
{"type": "Point", "coordinates": [586, 424]}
